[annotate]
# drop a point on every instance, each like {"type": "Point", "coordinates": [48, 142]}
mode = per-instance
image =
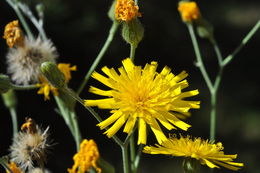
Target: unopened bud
{"type": "Point", "coordinates": [111, 11]}
{"type": "Point", "coordinates": [191, 165]}
{"type": "Point", "coordinates": [40, 10]}
{"type": "Point", "coordinates": [9, 99]}
{"type": "Point", "coordinates": [133, 32]}
{"type": "Point", "coordinates": [5, 83]}
{"type": "Point", "coordinates": [51, 72]}
{"type": "Point", "coordinates": [205, 29]}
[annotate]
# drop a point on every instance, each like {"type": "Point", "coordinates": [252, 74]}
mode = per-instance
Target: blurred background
{"type": "Point", "coordinates": [79, 29]}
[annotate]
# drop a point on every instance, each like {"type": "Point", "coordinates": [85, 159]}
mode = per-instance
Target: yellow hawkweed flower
{"type": "Point", "coordinates": [46, 88]}
{"type": "Point", "coordinates": [13, 34]}
{"type": "Point", "coordinates": [143, 96]}
{"type": "Point", "coordinates": [14, 168]}
{"type": "Point", "coordinates": [66, 70]}
{"type": "Point", "coordinates": [204, 151]}
{"type": "Point", "coordinates": [189, 11]}
{"type": "Point", "coordinates": [86, 157]}
{"type": "Point", "coordinates": [126, 10]}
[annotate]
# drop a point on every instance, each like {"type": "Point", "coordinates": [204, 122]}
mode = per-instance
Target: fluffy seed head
{"type": "Point", "coordinates": [30, 146]}
{"type": "Point", "coordinates": [24, 61]}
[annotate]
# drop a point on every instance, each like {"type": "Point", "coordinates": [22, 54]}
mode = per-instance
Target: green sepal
{"type": "Point", "coordinates": [133, 32]}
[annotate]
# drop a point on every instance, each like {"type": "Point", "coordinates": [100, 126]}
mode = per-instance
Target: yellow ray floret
{"type": "Point", "coordinates": [203, 150]}
{"type": "Point", "coordinates": [126, 10]}
{"type": "Point", "coordinates": [189, 11]}
{"type": "Point", "coordinates": [86, 157]}
{"type": "Point", "coordinates": [143, 97]}
{"type": "Point", "coordinates": [46, 88]}
{"type": "Point", "coordinates": [13, 34]}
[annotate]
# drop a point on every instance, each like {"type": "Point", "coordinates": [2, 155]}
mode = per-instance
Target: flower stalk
{"type": "Point", "coordinates": [101, 54]}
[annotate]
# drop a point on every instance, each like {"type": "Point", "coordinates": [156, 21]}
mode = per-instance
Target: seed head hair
{"type": "Point", "coordinates": [30, 146]}
{"type": "Point", "coordinates": [24, 61]}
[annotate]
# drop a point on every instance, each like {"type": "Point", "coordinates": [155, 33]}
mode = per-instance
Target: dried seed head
{"type": "Point", "coordinates": [30, 146]}
{"type": "Point", "coordinates": [24, 61]}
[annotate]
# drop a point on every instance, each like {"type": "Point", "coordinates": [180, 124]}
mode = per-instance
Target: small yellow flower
{"type": "Point", "coordinates": [203, 150]}
{"type": "Point", "coordinates": [145, 97]}
{"type": "Point", "coordinates": [14, 168]}
{"type": "Point", "coordinates": [46, 88]}
{"type": "Point", "coordinates": [13, 34]}
{"type": "Point", "coordinates": [189, 11]}
{"type": "Point", "coordinates": [66, 70]}
{"type": "Point", "coordinates": [126, 10]}
{"type": "Point", "coordinates": [86, 157]}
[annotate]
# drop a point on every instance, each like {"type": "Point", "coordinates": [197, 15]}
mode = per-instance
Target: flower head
{"type": "Point", "coordinates": [13, 34]}
{"type": "Point", "coordinates": [46, 88]}
{"type": "Point", "coordinates": [66, 70]}
{"type": "Point", "coordinates": [203, 150]}
{"type": "Point", "coordinates": [14, 168]}
{"type": "Point", "coordinates": [189, 11]}
{"type": "Point", "coordinates": [30, 146]}
{"type": "Point", "coordinates": [24, 61]}
{"type": "Point", "coordinates": [86, 157]}
{"type": "Point", "coordinates": [126, 10]}
{"type": "Point", "coordinates": [145, 97]}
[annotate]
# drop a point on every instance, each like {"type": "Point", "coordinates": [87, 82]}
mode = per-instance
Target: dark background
{"type": "Point", "coordinates": [79, 29]}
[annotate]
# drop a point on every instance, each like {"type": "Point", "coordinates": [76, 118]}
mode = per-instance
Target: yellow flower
{"type": "Point", "coordinates": [189, 11]}
{"type": "Point", "coordinates": [205, 151]}
{"type": "Point", "coordinates": [66, 70]}
{"type": "Point", "coordinates": [13, 34]}
{"type": "Point", "coordinates": [14, 168]}
{"type": "Point", "coordinates": [46, 88]}
{"type": "Point", "coordinates": [143, 96]}
{"type": "Point", "coordinates": [126, 10]}
{"type": "Point", "coordinates": [86, 157]}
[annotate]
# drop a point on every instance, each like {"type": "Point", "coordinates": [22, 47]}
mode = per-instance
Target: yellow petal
{"type": "Point", "coordinates": [130, 124]}
{"type": "Point", "coordinates": [110, 120]}
{"type": "Point", "coordinates": [116, 126]}
{"type": "Point", "coordinates": [142, 136]}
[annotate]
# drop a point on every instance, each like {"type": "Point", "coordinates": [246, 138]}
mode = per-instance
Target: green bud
{"type": "Point", "coordinates": [5, 83]}
{"type": "Point", "coordinates": [191, 165]}
{"type": "Point", "coordinates": [133, 32]}
{"type": "Point", "coordinates": [40, 10]}
{"type": "Point", "coordinates": [9, 99]}
{"type": "Point", "coordinates": [205, 29]}
{"type": "Point", "coordinates": [111, 11]}
{"type": "Point", "coordinates": [51, 72]}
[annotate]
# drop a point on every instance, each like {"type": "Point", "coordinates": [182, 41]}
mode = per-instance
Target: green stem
{"type": "Point", "coordinates": [98, 118]}
{"type": "Point", "coordinates": [110, 37]}
{"type": "Point", "coordinates": [26, 87]}
{"type": "Point", "coordinates": [138, 157]}
{"type": "Point", "coordinates": [132, 52]}
{"type": "Point", "coordinates": [26, 10]}
{"type": "Point", "coordinates": [14, 120]}
{"type": "Point", "coordinates": [213, 116]}
{"type": "Point", "coordinates": [218, 53]}
{"type": "Point", "coordinates": [230, 57]}
{"type": "Point", "coordinates": [20, 16]}
{"type": "Point", "coordinates": [132, 152]}
{"type": "Point", "coordinates": [76, 129]}
{"type": "Point", "coordinates": [125, 158]}
{"type": "Point", "coordinates": [200, 63]}
{"type": "Point", "coordinates": [5, 166]}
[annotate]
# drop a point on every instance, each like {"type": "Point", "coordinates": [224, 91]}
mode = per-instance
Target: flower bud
{"type": "Point", "coordinates": [205, 29]}
{"type": "Point", "coordinates": [111, 11]}
{"type": "Point", "coordinates": [9, 99]}
{"type": "Point", "coordinates": [54, 76]}
{"type": "Point", "coordinates": [191, 165]}
{"type": "Point", "coordinates": [133, 32]}
{"type": "Point", "coordinates": [5, 83]}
